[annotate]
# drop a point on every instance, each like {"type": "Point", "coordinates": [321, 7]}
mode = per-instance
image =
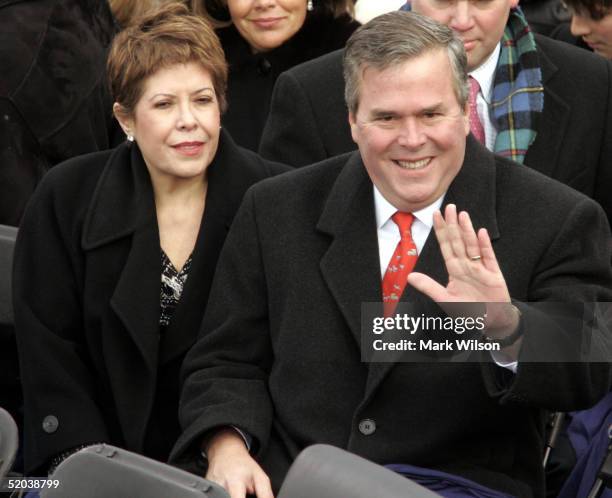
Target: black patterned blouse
{"type": "Point", "coordinates": [172, 283]}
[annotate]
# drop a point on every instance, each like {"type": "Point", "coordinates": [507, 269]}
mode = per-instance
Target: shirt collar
{"type": "Point", "coordinates": [384, 210]}
{"type": "Point", "coordinates": [485, 74]}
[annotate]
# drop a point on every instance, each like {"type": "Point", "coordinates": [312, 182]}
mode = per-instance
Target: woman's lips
{"type": "Point", "coordinates": [189, 148]}
{"type": "Point", "coordinates": [267, 22]}
{"type": "Point", "coordinates": [592, 44]}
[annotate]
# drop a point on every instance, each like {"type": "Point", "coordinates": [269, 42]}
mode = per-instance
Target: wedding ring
{"type": "Point", "coordinates": [475, 258]}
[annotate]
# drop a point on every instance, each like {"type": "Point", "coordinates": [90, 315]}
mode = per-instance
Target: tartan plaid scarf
{"type": "Point", "coordinates": [518, 94]}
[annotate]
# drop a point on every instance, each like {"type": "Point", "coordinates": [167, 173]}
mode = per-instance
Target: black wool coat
{"type": "Point", "coordinates": [279, 352]}
{"type": "Point", "coordinates": [87, 301]}
{"type": "Point", "coordinates": [252, 75]}
{"type": "Point", "coordinates": [53, 98]}
{"type": "Point", "coordinates": [308, 119]}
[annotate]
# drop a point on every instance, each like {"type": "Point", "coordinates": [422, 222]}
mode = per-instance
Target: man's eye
{"type": "Point", "coordinates": [431, 115]}
{"type": "Point", "coordinates": [385, 118]}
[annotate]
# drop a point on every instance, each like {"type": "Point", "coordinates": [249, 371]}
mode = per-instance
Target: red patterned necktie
{"type": "Point", "coordinates": [400, 265]}
{"type": "Point", "coordinates": [475, 123]}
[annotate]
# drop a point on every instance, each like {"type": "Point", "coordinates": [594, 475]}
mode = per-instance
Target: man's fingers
{"type": "Point", "coordinates": [263, 488]}
{"type": "Point", "coordinates": [443, 236]}
{"type": "Point", "coordinates": [472, 246]}
{"type": "Point", "coordinates": [486, 250]}
{"type": "Point", "coordinates": [454, 231]}
{"type": "Point", "coordinates": [450, 233]}
{"type": "Point", "coordinates": [450, 213]}
{"type": "Point", "coordinates": [428, 286]}
{"type": "Point", "coordinates": [231, 465]}
{"type": "Point", "coordinates": [236, 488]}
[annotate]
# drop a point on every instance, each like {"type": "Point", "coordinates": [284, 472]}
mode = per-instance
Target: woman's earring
{"type": "Point", "coordinates": [309, 6]}
{"type": "Point", "coordinates": [130, 137]}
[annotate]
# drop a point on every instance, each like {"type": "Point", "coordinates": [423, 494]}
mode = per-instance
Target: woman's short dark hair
{"type": "Point", "coordinates": [595, 9]}
{"type": "Point", "coordinates": [164, 37]}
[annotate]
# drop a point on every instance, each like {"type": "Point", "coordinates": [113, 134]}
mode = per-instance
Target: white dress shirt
{"type": "Point", "coordinates": [388, 232]}
{"type": "Point", "coordinates": [485, 75]}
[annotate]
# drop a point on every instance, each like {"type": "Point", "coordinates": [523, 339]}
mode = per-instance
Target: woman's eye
{"type": "Point", "coordinates": [204, 100]}
{"type": "Point", "coordinates": [162, 105]}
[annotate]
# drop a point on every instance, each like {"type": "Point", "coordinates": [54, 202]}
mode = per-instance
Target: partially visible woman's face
{"type": "Point", "coordinates": [596, 33]}
{"type": "Point", "coordinates": [267, 24]}
{"type": "Point", "coordinates": [176, 122]}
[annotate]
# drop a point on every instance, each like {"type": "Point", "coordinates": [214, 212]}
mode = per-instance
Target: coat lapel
{"type": "Point", "coordinates": [136, 297]}
{"type": "Point", "coordinates": [473, 190]}
{"type": "Point", "coordinates": [543, 154]}
{"type": "Point", "coordinates": [350, 265]}
{"type": "Point", "coordinates": [121, 241]}
{"type": "Point", "coordinates": [123, 206]}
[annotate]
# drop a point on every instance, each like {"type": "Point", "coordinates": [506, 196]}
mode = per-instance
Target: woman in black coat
{"type": "Point", "coordinates": [265, 38]}
{"type": "Point", "coordinates": [117, 250]}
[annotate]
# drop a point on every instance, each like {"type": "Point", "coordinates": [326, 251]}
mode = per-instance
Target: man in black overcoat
{"type": "Point", "coordinates": [570, 121]}
{"type": "Point", "coordinates": [278, 364]}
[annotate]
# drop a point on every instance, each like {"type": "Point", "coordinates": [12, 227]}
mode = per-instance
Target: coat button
{"type": "Point", "coordinates": [367, 426]}
{"type": "Point", "coordinates": [50, 424]}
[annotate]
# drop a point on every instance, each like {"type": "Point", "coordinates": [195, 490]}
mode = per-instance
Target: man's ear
{"type": "Point", "coordinates": [354, 127]}
{"type": "Point", "coordinates": [124, 118]}
{"type": "Point", "coordinates": [466, 118]}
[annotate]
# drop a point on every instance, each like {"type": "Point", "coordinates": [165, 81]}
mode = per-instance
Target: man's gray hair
{"type": "Point", "coordinates": [394, 38]}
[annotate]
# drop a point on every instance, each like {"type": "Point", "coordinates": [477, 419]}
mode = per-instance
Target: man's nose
{"type": "Point", "coordinates": [461, 18]}
{"type": "Point", "coordinates": [411, 134]}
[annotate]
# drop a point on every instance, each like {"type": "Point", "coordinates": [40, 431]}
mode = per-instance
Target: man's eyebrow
{"type": "Point", "coordinates": [376, 113]}
{"type": "Point", "coordinates": [432, 108]}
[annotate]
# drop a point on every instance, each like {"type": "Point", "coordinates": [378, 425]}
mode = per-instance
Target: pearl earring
{"type": "Point", "coordinates": [130, 137]}
{"type": "Point", "coordinates": [309, 6]}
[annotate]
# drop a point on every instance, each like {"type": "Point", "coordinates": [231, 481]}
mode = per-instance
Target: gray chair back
{"type": "Point", "coordinates": [9, 442]}
{"type": "Point", "coordinates": [103, 471]}
{"type": "Point", "coordinates": [324, 471]}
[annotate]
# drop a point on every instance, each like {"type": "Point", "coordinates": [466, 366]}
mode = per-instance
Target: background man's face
{"type": "Point", "coordinates": [410, 129]}
{"type": "Point", "coordinates": [479, 23]}
{"type": "Point", "coordinates": [596, 33]}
